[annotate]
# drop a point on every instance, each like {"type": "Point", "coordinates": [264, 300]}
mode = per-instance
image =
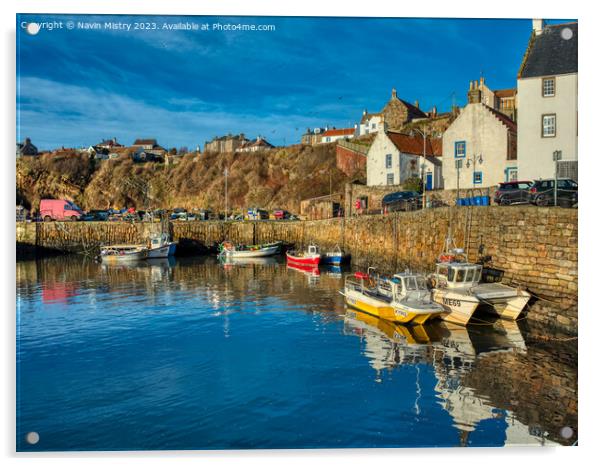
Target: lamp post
{"type": "Point", "coordinates": [458, 167]}
{"type": "Point", "coordinates": [474, 160]}
{"type": "Point", "coordinates": [422, 167]}
{"type": "Point", "coordinates": [226, 195]}
{"type": "Point", "coordinates": [556, 157]}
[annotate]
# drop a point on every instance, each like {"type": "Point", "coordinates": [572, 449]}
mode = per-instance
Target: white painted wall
{"type": "Point", "coordinates": [534, 151]}
{"type": "Point", "coordinates": [484, 135]}
{"type": "Point", "coordinates": [371, 125]}
{"type": "Point", "coordinates": [401, 167]}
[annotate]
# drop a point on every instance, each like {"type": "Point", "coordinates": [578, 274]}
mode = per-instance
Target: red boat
{"type": "Point", "coordinates": [309, 257]}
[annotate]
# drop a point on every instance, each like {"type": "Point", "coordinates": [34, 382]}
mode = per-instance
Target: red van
{"type": "Point", "coordinates": [59, 209]}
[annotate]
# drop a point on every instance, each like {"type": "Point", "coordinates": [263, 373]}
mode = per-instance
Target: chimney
{"type": "Point", "coordinates": [365, 112]}
{"type": "Point", "coordinates": [416, 104]}
{"type": "Point", "coordinates": [538, 25]}
{"type": "Point", "coordinates": [474, 94]}
{"type": "Point", "coordinates": [482, 83]}
{"type": "Point", "coordinates": [434, 111]}
{"type": "Point", "coordinates": [394, 93]}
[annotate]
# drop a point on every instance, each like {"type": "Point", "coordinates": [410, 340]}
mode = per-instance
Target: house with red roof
{"type": "Point", "coordinates": [334, 134]}
{"type": "Point", "coordinates": [394, 157]}
{"type": "Point", "coordinates": [479, 147]}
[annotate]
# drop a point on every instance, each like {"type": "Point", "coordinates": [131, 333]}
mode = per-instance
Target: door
{"type": "Point", "coordinates": [429, 181]}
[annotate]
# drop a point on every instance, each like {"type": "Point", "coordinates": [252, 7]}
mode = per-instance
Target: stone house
{"type": "Point", "coordinates": [256, 145]}
{"type": "Point", "coordinates": [394, 157]}
{"type": "Point", "coordinates": [479, 147]}
{"type": "Point", "coordinates": [333, 135]}
{"type": "Point", "coordinates": [148, 147]}
{"type": "Point", "coordinates": [26, 148]}
{"type": "Point", "coordinates": [227, 143]}
{"type": "Point", "coordinates": [547, 90]}
{"type": "Point", "coordinates": [370, 123]}
{"type": "Point", "coordinates": [313, 137]}
{"type": "Point", "coordinates": [502, 100]}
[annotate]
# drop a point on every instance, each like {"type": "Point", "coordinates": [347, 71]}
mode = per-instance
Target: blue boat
{"type": "Point", "coordinates": [336, 257]}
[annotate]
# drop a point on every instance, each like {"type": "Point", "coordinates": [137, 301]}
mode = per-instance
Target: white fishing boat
{"type": "Point", "coordinates": [231, 251]}
{"type": "Point", "coordinates": [404, 298]}
{"type": "Point", "coordinates": [456, 286]}
{"type": "Point", "coordinates": [120, 253]}
{"type": "Point", "coordinates": [161, 247]}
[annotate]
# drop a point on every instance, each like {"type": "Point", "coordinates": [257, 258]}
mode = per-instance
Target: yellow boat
{"type": "Point", "coordinates": [404, 298]}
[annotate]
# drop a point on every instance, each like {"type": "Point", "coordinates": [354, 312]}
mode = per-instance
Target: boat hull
{"type": "Point", "coordinates": [120, 259]}
{"type": "Point", "coordinates": [161, 252]}
{"type": "Point", "coordinates": [303, 260]}
{"type": "Point", "coordinates": [460, 307]}
{"type": "Point", "coordinates": [335, 259]}
{"type": "Point", "coordinates": [246, 254]}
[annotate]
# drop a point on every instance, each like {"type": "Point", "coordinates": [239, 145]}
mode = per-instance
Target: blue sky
{"type": "Point", "coordinates": [76, 87]}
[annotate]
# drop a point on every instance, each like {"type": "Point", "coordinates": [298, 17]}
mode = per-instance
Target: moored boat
{"type": "Point", "coordinates": [404, 298]}
{"type": "Point", "coordinates": [458, 287]}
{"type": "Point", "coordinates": [119, 253]}
{"type": "Point", "coordinates": [311, 256]}
{"type": "Point", "coordinates": [229, 250]}
{"type": "Point", "coordinates": [161, 247]}
{"type": "Point", "coordinates": [335, 257]}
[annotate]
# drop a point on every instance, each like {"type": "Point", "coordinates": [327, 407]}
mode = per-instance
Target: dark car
{"type": "Point", "coordinates": [402, 200]}
{"type": "Point", "coordinates": [513, 192]}
{"type": "Point", "coordinates": [541, 192]}
{"type": "Point", "coordinates": [95, 216]}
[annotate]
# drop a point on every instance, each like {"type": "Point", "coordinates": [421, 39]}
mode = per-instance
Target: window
{"type": "Point", "coordinates": [390, 178]}
{"type": "Point", "coordinates": [548, 126]}
{"type": "Point", "coordinates": [328, 139]}
{"type": "Point", "coordinates": [388, 161]}
{"type": "Point", "coordinates": [548, 87]}
{"type": "Point", "coordinates": [460, 149]}
{"type": "Point", "coordinates": [511, 174]}
{"type": "Point", "coordinates": [477, 177]}
{"type": "Point", "coordinates": [373, 125]}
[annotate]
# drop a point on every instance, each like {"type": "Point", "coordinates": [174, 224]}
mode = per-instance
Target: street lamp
{"type": "Point", "coordinates": [556, 157]}
{"type": "Point", "coordinates": [474, 160]}
{"type": "Point", "coordinates": [422, 166]}
{"type": "Point", "coordinates": [458, 167]}
{"type": "Point", "coordinates": [226, 196]}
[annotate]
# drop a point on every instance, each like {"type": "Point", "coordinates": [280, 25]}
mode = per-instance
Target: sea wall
{"type": "Point", "coordinates": [536, 247]}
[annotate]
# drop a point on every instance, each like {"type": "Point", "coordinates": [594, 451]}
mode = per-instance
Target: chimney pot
{"type": "Point", "coordinates": [538, 25]}
{"type": "Point", "coordinates": [416, 103]}
{"type": "Point", "coordinates": [394, 93]}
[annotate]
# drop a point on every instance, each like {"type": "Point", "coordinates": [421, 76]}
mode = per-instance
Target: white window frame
{"type": "Point", "coordinates": [389, 161]}
{"type": "Point", "coordinates": [391, 178]}
{"type": "Point", "coordinates": [548, 91]}
{"type": "Point", "coordinates": [548, 129]}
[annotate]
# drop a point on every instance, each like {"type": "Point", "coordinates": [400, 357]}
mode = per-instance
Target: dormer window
{"type": "Point", "coordinates": [548, 87]}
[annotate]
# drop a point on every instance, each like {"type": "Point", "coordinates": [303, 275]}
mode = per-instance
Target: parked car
{"type": "Point", "coordinates": [257, 214]}
{"type": "Point", "coordinates": [280, 214]}
{"type": "Point", "coordinates": [512, 192]}
{"type": "Point", "coordinates": [59, 209]}
{"type": "Point", "coordinates": [95, 216]}
{"type": "Point", "coordinates": [402, 201]}
{"type": "Point", "coordinates": [541, 192]}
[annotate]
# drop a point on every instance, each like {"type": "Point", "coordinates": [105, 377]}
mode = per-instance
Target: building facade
{"type": "Point", "coordinates": [547, 114]}
{"type": "Point", "coordinates": [227, 143]}
{"type": "Point", "coordinates": [333, 135]}
{"type": "Point", "coordinates": [479, 147]}
{"type": "Point", "coordinates": [395, 157]}
{"type": "Point", "coordinates": [26, 148]}
{"type": "Point", "coordinates": [313, 137]}
{"type": "Point", "coordinates": [256, 145]}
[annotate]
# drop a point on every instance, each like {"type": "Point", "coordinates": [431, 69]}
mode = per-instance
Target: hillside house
{"type": "Point", "coordinates": [479, 147]}
{"type": "Point", "coordinates": [256, 145]}
{"type": "Point", "coordinates": [333, 135]}
{"type": "Point", "coordinates": [547, 91]}
{"type": "Point", "coordinates": [149, 147]}
{"type": "Point", "coordinates": [395, 157]}
{"type": "Point", "coordinates": [26, 148]}
{"type": "Point", "coordinates": [502, 100]}
{"type": "Point", "coordinates": [227, 143]}
{"type": "Point", "coordinates": [313, 137]}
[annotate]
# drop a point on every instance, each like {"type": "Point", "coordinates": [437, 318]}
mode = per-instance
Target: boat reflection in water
{"type": "Point", "coordinates": [312, 272]}
{"type": "Point", "coordinates": [454, 352]}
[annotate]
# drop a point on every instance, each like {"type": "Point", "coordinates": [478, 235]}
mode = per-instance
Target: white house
{"type": "Point", "coordinates": [547, 97]}
{"type": "Point", "coordinates": [370, 123]}
{"type": "Point", "coordinates": [395, 157]}
{"type": "Point", "coordinates": [256, 145]}
{"type": "Point", "coordinates": [333, 135]}
{"type": "Point", "coordinates": [479, 147]}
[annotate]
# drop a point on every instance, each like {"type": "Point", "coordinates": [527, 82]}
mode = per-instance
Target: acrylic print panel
{"type": "Point", "coordinates": [272, 232]}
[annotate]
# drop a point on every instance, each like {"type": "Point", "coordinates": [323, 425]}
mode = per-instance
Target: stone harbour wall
{"type": "Point", "coordinates": [535, 247]}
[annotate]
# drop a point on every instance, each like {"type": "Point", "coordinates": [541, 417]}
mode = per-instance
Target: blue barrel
{"type": "Point", "coordinates": [470, 200]}
{"type": "Point", "coordinates": [459, 201]}
{"type": "Point", "coordinates": [477, 200]}
{"type": "Point", "coordinates": [464, 201]}
{"type": "Point", "coordinates": [484, 200]}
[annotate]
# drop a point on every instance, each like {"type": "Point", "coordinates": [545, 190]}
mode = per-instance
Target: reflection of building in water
{"type": "Point", "coordinates": [454, 352]}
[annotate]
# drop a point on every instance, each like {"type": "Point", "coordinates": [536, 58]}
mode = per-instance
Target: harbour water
{"type": "Point", "coordinates": [194, 354]}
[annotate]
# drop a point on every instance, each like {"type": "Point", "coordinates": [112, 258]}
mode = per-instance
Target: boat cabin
{"type": "Point", "coordinates": [313, 249]}
{"type": "Point", "coordinates": [408, 283]}
{"type": "Point", "coordinates": [459, 274]}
